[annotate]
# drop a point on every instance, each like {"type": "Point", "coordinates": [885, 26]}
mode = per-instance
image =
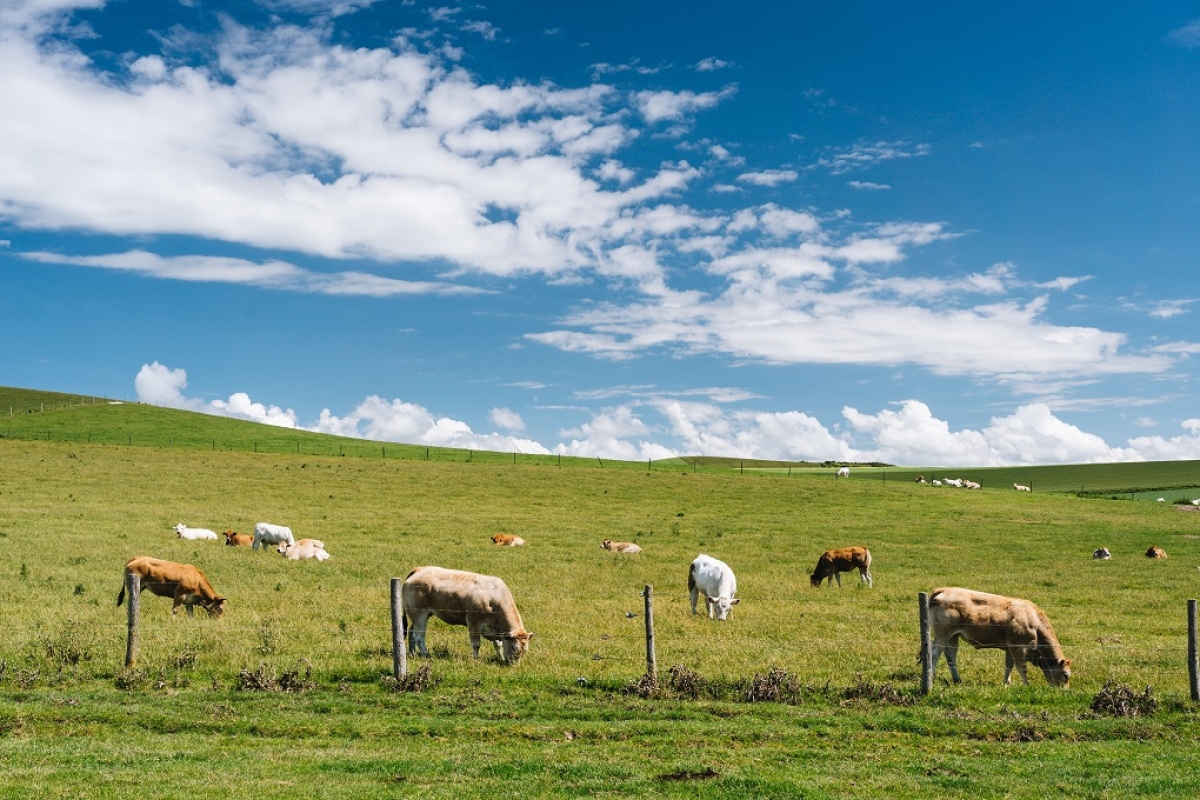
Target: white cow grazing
{"type": "Point", "coordinates": [715, 580]}
{"type": "Point", "coordinates": [1021, 487]}
{"type": "Point", "coordinates": [304, 550]}
{"type": "Point", "coordinates": [843, 472]}
{"type": "Point", "coordinates": [265, 533]}
{"type": "Point", "coordinates": [184, 532]}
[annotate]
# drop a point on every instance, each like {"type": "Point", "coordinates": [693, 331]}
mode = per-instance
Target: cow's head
{"type": "Point", "coordinates": [815, 579]}
{"type": "Point", "coordinates": [216, 607]}
{"type": "Point", "coordinates": [722, 605]}
{"type": "Point", "coordinates": [229, 538]}
{"type": "Point", "coordinates": [1059, 673]}
{"type": "Point", "coordinates": [515, 645]}
{"type": "Point", "coordinates": [606, 544]}
{"type": "Point", "coordinates": [283, 548]}
{"type": "Point", "coordinates": [178, 529]}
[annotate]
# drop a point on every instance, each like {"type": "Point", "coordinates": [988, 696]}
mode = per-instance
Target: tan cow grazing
{"type": "Point", "coordinates": [1156, 552]}
{"type": "Point", "coordinates": [620, 547]}
{"type": "Point", "coordinates": [235, 539]}
{"type": "Point", "coordinates": [183, 582]}
{"type": "Point", "coordinates": [507, 540]}
{"type": "Point", "coordinates": [1016, 626]}
{"type": "Point", "coordinates": [481, 602]}
{"type": "Point", "coordinates": [834, 562]}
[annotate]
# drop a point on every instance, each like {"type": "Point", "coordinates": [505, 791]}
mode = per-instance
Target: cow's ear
{"type": "Point", "coordinates": [531, 634]}
{"type": "Point", "coordinates": [735, 601]}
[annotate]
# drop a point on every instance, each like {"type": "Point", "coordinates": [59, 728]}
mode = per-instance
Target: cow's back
{"type": "Point", "coordinates": [455, 590]}
{"type": "Point", "coordinates": [983, 618]}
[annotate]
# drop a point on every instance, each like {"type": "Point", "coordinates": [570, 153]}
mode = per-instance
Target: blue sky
{"type": "Point", "coordinates": [847, 231]}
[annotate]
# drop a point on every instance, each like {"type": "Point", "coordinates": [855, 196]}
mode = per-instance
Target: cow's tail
{"type": "Point", "coordinates": [121, 596]}
{"type": "Point", "coordinates": [691, 578]}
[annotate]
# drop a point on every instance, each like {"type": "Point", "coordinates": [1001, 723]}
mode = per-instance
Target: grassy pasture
{"type": "Point", "coordinates": [74, 723]}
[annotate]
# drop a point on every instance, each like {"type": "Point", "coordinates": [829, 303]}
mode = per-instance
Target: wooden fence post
{"type": "Point", "coordinates": [133, 588]}
{"type": "Point", "coordinates": [926, 645]}
{"type": "Point", "coordinates": [651, 659]}
{"type": "Point", "coordinates": [1193, 667]}
{"type": "Point", "coordinates": [399, 646]}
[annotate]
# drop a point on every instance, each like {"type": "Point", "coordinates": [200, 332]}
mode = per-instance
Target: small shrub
{"type": "Point", "coordinates": [685, 682]}
{"type": "Point", "coordinates": [1118, 700]}
{"type": "Point", "coordinates": [877, 692]}
{"type": "Point", "coordinates": [644, 687]}
{"type": "Point", "coordinates": [263, 680]}
{"type": "Point", "coordinates": [777, 686]}
{"type": "Point", "coordinates": [268, 640]}
{"type": "Point", "coordinates": [185, 659]}
{"type": "Point", "coordinates": [416, 681]}
{"type": "Point", "coordinates": [130, 678]}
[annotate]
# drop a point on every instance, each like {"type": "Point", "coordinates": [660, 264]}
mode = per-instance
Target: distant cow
{"type": "Point", "coordinates": [182, 582]}
{"type": "Point", "coordinates": [184, 532]}
{"type": "Point", "coordinates": [235, 539]}
{"type": "Point", "coordinates": [716, 581]}
{"type": "Point", "coordinates": [507, 540]}
{"type": "Point", "coordinates": [265, 533]}
{"type": "Point", "coordinates": [481, 602]}
{"type": "Point", "coordinates": [620, 547]}
{"type": "Point", "coordinates": [1156, 552]}
{"type": "Point", "coordinates": [1016, 626]}
{"type": "Point", "coordinates": [843, 472]}
{"type": "Point", "coordinates": [1101, 554]}
{"type": "Point", "coordinates": [833, 563]}
{"type": "Point", "coordinates": [304, 550]}
{"type": "Point", "coordinates": [1021, 487]}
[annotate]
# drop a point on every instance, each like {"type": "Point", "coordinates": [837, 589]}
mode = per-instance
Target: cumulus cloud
{"type": "Point", "coordinates": [769, 177]}
{"type": "Point", "coordinates": [863, 156]}
{"type": "Point", "coordinates": [159, 385]}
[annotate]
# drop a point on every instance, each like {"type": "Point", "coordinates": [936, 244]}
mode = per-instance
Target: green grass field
{"type": "Point", "coordinates": [841, 715]}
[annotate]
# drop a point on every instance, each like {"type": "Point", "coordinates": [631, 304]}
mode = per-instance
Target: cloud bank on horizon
{"type": "Point", "coordinates": [276, 154]}
{"type": "Point", "coordinates": [909, 435]}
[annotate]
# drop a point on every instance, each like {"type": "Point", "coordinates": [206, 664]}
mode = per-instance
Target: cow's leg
{"type": "Point", "coordinates": [838, 576]}
{"type": "Point", "coordinates": [416, 631]}
{"type": "Point", "coordinates": [695, 595]}
{"type": "Point", "coordinates": [864, 576]}
{"type": "Point", "coordinates": [951, 650]}
{"type": "Point", "coordinates": [1015, 657]}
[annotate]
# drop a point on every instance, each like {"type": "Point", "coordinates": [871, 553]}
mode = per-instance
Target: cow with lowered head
{"type": "Point", "coordinates": [715, 580]}
{"type": "Point", "coordinates": [482, 603]}
{"type": "Point", "coordinates": [1016, 626]}
{"type": "Point", "coordinates": [833, 563]}
{"type": "Point", "coordinates": [185, 584]}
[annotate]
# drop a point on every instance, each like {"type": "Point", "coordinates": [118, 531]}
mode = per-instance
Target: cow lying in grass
{"type": "Point", "coordinates": [1016, 626]}
{"type": "Point", "coordinates": [483, 603]}
{"type": "Point", "coordinates": [620, 547]}
{"type": "Point", "coordinates": [304, 550]}
{"type": "Point", "coordinates": [194, 534]}
{"type": "Point", "coordinates": [235, 539]}
{"type": "Point", "coordinates": [182, 582]}
{"type": "Point", "coordinates": [507, 540]}
{"type": "Point", "coordinates": [833, 563]}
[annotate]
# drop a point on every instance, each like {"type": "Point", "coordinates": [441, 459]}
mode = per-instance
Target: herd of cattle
{"type": "Point", "coordinates": [485, 606]}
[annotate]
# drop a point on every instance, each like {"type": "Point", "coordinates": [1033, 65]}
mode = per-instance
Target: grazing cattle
{"type": "Point", "coordinates": [183, 582]}
{"type": "Point", "coordinates": [833, 563]}
{"type": "Point", "coordinates": [235, 539]}
{"type": "Point", "coordinates": [1156, 552]}
{"type": "Point", "coordinates": [620, 547]}
{"type": "Point", "coordinates": [921, 479]}
{"type": "Point", "coordinates": [507, 540]}
{"type": "Point", "coordinates": [481, 602]}
{"type": "Point", "coordinates": [716, 581]}
{"type": "Point", "coordinates": [265, 533]}
{"type": "Point", "coordinates": [184, 532]}
{"type": "Point", "coordinates": [843, 472]}
{"type": "Point", "coordinates": [1101, 554]}
{"type": "Point", "coordinates": [1022, 488]}
{"type": "Point", "coordinates": [1016, 626]}
{"type": "Point", "coordinates": [304, 550]}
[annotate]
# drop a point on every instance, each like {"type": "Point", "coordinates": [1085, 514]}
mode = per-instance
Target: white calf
{"type": "Point", "coordinates": [184, 532]}
{"type": "Point", "coordinates": [716, 581]}
{"type": "Point", "coordinates": [304, 550]}
{"type": "Point", "coordinates": [843, 472]}
{"type": "Point", "coordinates": [1021, 487]}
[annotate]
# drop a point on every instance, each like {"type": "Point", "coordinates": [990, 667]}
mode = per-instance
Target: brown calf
{"type": "Point", "coordinates": [235, 539]}
{"type": "Point", "coordinates": [834, 562]}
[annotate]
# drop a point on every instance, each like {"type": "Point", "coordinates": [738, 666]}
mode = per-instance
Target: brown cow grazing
{"type": "Point", "coordinates": [834, 562]}
{"type": "Point", "coordinates": [481, 602]}
{"type": "Point", "coordinates": [235, 539]}
{"type": "Point", "coordinates": [620, 547]}
{"type": "Point", "coordinates": [1156, 552]}
{"type": "Point", "coordinates": [1016, 626]}
{"type": "Point", "coordinates": [507, 540]}
{"type": "Point", "coordinates": [183, 582]}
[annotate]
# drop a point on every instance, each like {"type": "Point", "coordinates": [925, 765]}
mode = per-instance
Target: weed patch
{"type": "Point", "coordinates": [1119, 700]}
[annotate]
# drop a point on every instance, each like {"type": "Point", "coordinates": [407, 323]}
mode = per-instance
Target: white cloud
{"type": "Point", "coordinates": [162, 386]}
{"type": "Point", "coordinates": [1187, 35]}
{"type": "Point", "coordinates": [769, 177]}
{"type": "Point", "coordinates": [864, 156]}
{"type": "Point", "coordinates": [868, 185]}
{"type": "Point", "coordinates": [711, 65]}
{"type": "Point", "coordinates": [660, 106]}
{"type": "Point", "coordinates": [507, 419]}
{"type": "Point", "coordinates": [1186, 446]}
